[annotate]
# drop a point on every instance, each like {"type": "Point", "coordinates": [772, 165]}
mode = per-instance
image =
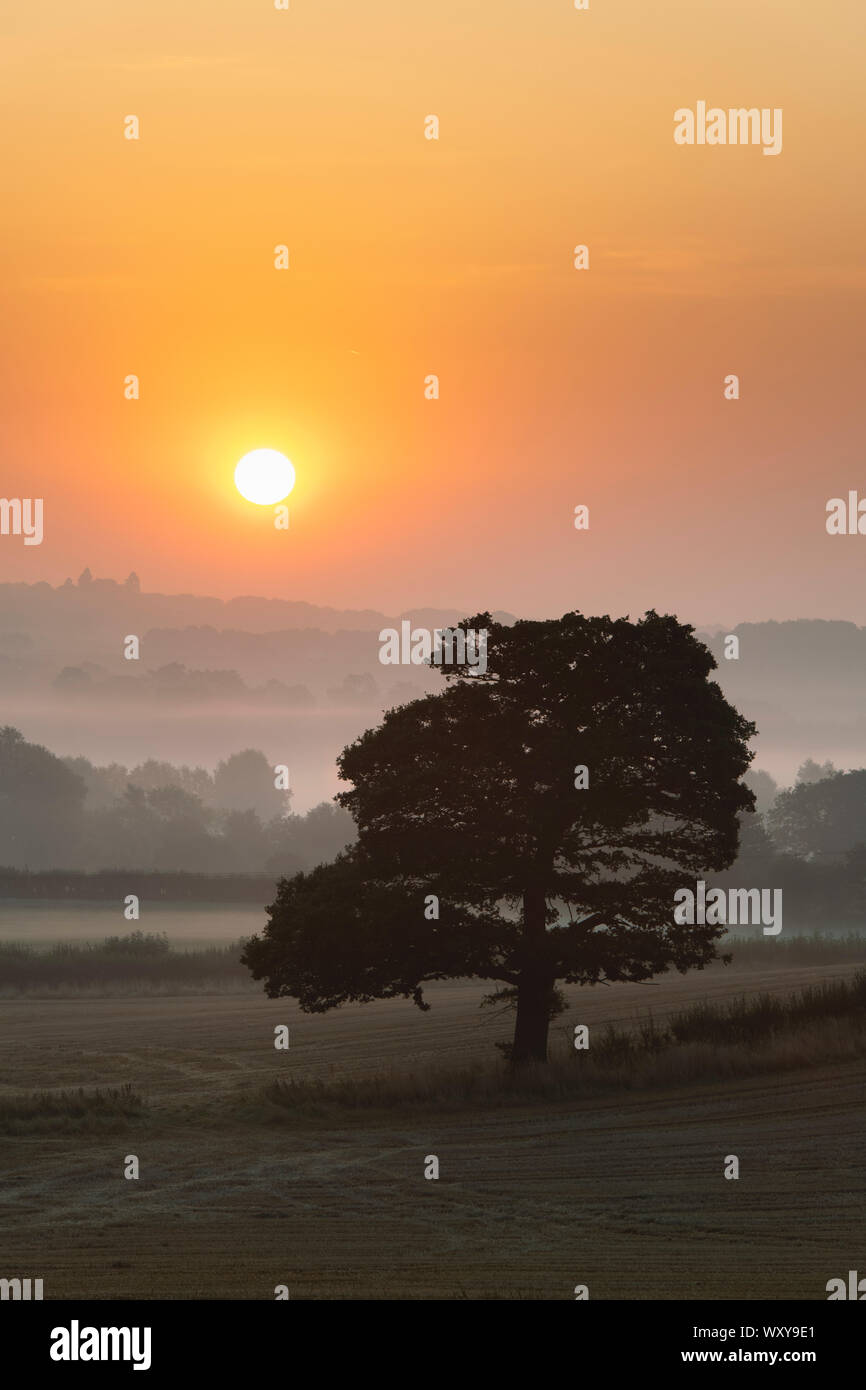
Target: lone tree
{"type": "Point", "coordinates": [484, 850]}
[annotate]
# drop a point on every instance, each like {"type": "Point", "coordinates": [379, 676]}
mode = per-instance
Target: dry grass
{"type": "Point", "coordinates": [52, 1111]}
{"type": "Point", "coordinates": [704, 1043]}
{"type": "Point", "coordinates": [794, 948]}
{"type": "Point", "coordinates": [135, 965]}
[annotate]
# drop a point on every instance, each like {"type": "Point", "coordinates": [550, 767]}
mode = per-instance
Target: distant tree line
{"type": "Point", "coordinates": [177, 682]}
{"type": "Point", "coordinates": [187, 833]}
{"type": "Point", "coordinates": [810, 841]}
{"type": "Point", "coordinates": [823, 816]}
{"type": "Point", "coordinates": [65, 813]}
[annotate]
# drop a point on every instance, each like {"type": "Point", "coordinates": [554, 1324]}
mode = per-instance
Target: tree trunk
{"type": "Point", "coordinates": [535, 987]}
{"type": "Point", "coordinates": [533, 1021]}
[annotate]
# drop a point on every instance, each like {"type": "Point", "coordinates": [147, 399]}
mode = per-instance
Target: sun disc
{"type": "Point", "coordinates": [264, 476]}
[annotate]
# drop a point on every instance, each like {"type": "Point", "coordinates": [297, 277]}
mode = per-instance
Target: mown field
{"type": "Point", "coordinates": [621, 1188]}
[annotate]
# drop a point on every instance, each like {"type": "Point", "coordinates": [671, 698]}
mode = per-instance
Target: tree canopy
{"type": "Point", "coordinates": [40, 803]}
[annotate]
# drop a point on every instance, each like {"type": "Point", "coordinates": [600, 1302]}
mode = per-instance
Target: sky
{"type": "Point", "coordinates": [410, 257]}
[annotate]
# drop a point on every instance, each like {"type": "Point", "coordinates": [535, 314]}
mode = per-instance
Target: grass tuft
{"type": "Point", "coordinates": [41, 1111]}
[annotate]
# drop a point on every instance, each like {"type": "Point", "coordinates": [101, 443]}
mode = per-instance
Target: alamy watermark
{"type": "Point", "coordinates": [21, 1290]}
{"type": "Point", "coordinates": [447, 646]}
{"type": "Point", "coordinates": [76, 1343]}
{"type": "Point", "coordinates": [846, 518]}
{"type": "Point", "coordinates": [738, 125]}
{"type": "Point", "coordinates": [22, 516]}
{"type": "Point", "coordinates": [733, 907]}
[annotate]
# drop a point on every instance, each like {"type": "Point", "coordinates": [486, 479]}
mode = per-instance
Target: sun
{"type": "Point", "coordinates": [264, 476]}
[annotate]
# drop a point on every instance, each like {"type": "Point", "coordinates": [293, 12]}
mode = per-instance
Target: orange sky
{"type": "Point", "coordinates": [453, 257]}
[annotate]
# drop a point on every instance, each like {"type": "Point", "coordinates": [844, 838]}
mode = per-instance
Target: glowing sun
{"type": "Point", "coordinates": [264, 476]}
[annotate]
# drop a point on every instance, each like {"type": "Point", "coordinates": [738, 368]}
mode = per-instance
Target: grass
{"type": "Point", "coordinates": [804, 948]}
{"type": "Point", "coordinates": [747, 1020]}
{"type": "Point", "coordinates": [136, 964]}
{"type": "Point", "coordinates": [704, 1043]}
{"type": "Point", "coordinates": [41, 1111]}
{"type": "Point", "coordinates": [743, 1020]}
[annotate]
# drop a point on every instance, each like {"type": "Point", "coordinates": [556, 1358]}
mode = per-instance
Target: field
{"type": "Point", "coordinates": [622, 1191]}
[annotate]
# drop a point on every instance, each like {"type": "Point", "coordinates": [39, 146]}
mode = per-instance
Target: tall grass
{"type": "Point", "coordinates": [75, 1110]}
{"type": "Point", "coordinates": [804, 948]}
{"type": "Point", "coordinates": [139, 959]}
{"type": "Point", "coordinates": [746, 1020]}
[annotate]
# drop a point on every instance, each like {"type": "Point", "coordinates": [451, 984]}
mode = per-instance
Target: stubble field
{"type": "Point", "coordinates": [623, 1191]}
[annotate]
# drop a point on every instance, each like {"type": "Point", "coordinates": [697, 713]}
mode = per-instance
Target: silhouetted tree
{"type": "Point", "coordinates": [825, 817]}
{"type": "Point", "coordinates": [243, 841]}
{"type": "Point", "coordinates": [104, 785]}
{"type": "Point", "coordinates": [810, 771]}
{"type": "Point", "coordinates": [355, 690]}
{"type": "Point", "coordinates": [305, 841]}
{"type": "Point", "coordinates": [245, 782]}
{"type": "Point", "coordinates": [72, 679]}
{"type": "Point", "coordinates": [41, 802]}
{"type": "Point", "coordinates": [764, 787]}
{"type": "Point", "coordinates": [469, 796]}
{"type": "Point", "coordinates": [166, 828]}
{"type": "Point", "coordinates": [154, 773]}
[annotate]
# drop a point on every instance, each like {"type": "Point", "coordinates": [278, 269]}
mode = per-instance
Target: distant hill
{"type": "Point", "coordinates": [214, 673]}
{"type": "Point", "coordinates": [95, 606]}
